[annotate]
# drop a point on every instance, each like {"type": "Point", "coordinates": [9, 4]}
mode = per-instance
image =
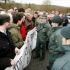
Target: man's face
{"type": "Point", "coordinates": [29, 17]}
{"type": "Point", "coordinates": [9, 24]}
{"type": "Point", "coordinates": [22, 20]}
{"type": "Point", "coordinates": [35, 15]}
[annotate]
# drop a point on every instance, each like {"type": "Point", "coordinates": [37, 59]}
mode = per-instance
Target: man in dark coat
{"type": "Point", "coordinates": [7, 49]}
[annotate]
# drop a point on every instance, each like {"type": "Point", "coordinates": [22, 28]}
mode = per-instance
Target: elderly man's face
{"type": "Point", "coordinates": [41, 19]}
{"type": "Point", "coordinates": [29, 17]}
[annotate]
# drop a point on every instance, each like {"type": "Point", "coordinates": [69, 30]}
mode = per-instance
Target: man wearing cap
{"type": "Point", "coordinates": [56, 24]}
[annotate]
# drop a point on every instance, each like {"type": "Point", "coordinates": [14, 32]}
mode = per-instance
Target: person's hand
{"type": "Point", "coordinates": [13, 62]}
{"type": "Point", "coordinates": [17, 51]}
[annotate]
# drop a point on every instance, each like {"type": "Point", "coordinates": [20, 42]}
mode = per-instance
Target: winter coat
{"type": "Point", "coordinates": [16, 36]}
{"type": "Point", "coordinates": [7, 50]}
{"type": "Point", "coordinates": [42, 30]}
{"type": "Point", "coordinates": [55, 47]}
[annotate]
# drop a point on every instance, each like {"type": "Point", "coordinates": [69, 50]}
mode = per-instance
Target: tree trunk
{"type": "Point", "coordinates": [5, 1]}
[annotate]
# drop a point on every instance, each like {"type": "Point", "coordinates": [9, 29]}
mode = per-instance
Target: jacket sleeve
{"type": "Point", "coordinates": [5, 62]}
{"type": "Point", "coordinates": [23, 32]}
{"type": "Point", "coordinates": [55, 44]}
{"type": "Point", "coordinates": [52, 43]}
{"type": "Point", "coordinates": [16, 37]}
{"type": "Point", "coordinates": [4, 51]}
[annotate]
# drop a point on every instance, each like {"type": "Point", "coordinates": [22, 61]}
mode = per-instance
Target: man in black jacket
{"type": "Point", "coordinates": [7, 48]}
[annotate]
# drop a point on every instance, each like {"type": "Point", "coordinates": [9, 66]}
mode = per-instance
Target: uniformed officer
{"type": "Point", "coordinates": [42, 28]}
{"type": "Point", "coordinates": [63, 62]}
{"type": "Point", "coordinates": [56, 24]}
{"type": "Point", "coordinates": [54, 40]}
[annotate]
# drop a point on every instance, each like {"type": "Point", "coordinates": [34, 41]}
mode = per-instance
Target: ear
{"type": "Point", "coordinates": [54, 24]}
{"type": "Point", "coordinates": [65, 41]}
{"type": "Point", "coordinates": [6, 23]}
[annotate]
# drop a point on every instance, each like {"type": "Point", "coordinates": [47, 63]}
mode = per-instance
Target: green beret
{"type": "Point", "coordinates": [57, 19]}
{"type": "Point", "coordinates": [65, 32]}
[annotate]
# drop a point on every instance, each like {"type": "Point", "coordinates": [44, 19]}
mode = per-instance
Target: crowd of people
{"type": "Point", "coordinates": [53, 35]}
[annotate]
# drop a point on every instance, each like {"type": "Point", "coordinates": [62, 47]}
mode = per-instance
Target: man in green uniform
{"type": "Point", "coordinates": [56, 24]}
{"type": "Point", "coordinates": [42, 29]}
{"type": "Point", "coordinates": [63, 38]}
{"type": "Point", "coordinates": [54, 41]}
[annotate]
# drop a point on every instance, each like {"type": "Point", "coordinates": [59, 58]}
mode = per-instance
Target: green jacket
{"type": "Point", "coordinates": [63, 63]}
{"type": "Point", "coordinates": [15, 34]}
{"type": "Point", "coordinates": [55, 47]}
{"type": "Point", "coordinates": [42, 30]}
{"type": "Point", "coordinates": [52, 30]}
{"type": "Point", "coordinates": [59, 54]}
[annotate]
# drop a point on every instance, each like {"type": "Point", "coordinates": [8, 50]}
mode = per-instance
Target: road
{"type": "Point", "coordinates": [36, 64]}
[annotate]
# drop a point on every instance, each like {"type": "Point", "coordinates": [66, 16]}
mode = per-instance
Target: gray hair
{"type": "Point", "coordinates": [41, 19]}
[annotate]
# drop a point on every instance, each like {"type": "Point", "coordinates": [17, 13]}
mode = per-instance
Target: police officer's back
{"type": "Point", "coordinates": [54, 37]}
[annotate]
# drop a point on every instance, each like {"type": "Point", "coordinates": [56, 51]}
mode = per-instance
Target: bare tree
{"type": "Point", "coordinates": [47, 2]}
{"type": "Point", "coordinates": [7, 1]}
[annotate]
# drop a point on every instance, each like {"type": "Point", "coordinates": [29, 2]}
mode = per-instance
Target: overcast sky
{"type": "Point", "coordinates": [65, 3]}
